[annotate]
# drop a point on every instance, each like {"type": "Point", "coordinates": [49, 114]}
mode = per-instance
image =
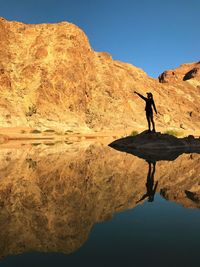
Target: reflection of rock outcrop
{"type": "Point", "coordinates": [53, 206]}
{"type": "Point", "coordinates": [50, 198]}
{"type": "Point", "coordinates": [186, 198]}
{"type": "Point", "coordinates": [180, 182]}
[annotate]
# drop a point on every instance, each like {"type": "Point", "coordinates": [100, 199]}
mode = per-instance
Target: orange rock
{"type": "Point", "coordinates": [53, 68]}
{"type": "Point", "coordinates": [183, 73]}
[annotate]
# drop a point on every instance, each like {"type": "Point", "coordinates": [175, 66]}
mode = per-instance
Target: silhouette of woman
{"type": "Point", "coordinates": [151, 188]}
{"type": "Point", "coordinates": [149, 111]}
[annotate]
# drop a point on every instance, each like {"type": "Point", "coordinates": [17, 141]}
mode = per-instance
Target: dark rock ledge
{"type": "Point", "coordinates": [157, 146]}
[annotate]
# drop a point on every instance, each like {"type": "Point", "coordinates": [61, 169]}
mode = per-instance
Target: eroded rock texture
{"type": "Point", "coordinates": [51, 78]}
{"type": "Point", "coordinates": [183, 73]}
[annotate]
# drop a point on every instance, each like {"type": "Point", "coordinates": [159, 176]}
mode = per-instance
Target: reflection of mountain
{"type": "Point", "coordinates": [51, 198]}
{"type": "Point", "coordinates": [53, 205]}
{"type": "Point", "coordinates": [180, 181]}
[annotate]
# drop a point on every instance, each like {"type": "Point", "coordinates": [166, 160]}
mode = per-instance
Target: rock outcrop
{"type": "Point", "coordinates": [183, 73]}
{"type": "Point", "coordinates": [153, 146]}
{"type": "Point", "coordinates": [51, 78]}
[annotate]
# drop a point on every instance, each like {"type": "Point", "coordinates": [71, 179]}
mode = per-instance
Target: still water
{"type": "Point", "coordinates": [86, 204]}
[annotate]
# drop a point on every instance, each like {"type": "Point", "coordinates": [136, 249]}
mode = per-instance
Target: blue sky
{"type": "Point", "coordinates": [152, 34]}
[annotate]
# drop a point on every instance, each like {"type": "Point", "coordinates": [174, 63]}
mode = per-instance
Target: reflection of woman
{"type": "Point", "coordinates": [151, 189]}
{"type": "Point", "coordinates": [149, 111]}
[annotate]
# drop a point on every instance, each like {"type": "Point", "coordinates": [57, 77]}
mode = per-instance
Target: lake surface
{"type": "Point", "coordinates": [86, 204]}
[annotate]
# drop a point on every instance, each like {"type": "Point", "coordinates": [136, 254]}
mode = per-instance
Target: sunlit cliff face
{"type": "Point", "coordinates": [51, 196]}
{"type": "Point", "coordinates": [51, 78]}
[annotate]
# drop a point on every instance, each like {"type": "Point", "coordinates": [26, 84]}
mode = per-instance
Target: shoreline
{"type": "Point", "coordinates": [28, 134]}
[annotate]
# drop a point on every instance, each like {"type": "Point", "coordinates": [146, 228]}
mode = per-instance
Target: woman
{"type": "Point", "coordinates": [149, 111]}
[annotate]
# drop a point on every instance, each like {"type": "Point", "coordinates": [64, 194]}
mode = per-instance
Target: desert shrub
{"type": "Point", "coordinates": [68, 143]}
{"type": "Point", "coordinates": [173, 132]}
{"type": "Point", "coordinates": [49, 131]}
{"type": "Point", "coordinates": [68, 131]}
{"type": "Point", "coordinates": [32, 163]}
{"type": "Point", "coordinates": [50, 144]}
{"type": "Point", "coordinates": [35, 131]}
{"type": "Point", "coordinates": [31, 110]}
{"type": "Point", "coordinates": [59, 133]}
{"type": "Point", "coordinates": [36, 144]}
{"type": "Point", "coordinates": [133, 133]}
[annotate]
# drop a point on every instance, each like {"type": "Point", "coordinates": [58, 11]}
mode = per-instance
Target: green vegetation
{"type": "Point", "coordinates": [50, 144]}
{"type": "Point", "coordinates": [174, 133]}
{"type": "Point", "coordinates": [36, 144]}
{"type": "Point", "coordinates": [35, 131]}
{"type": "Point", "coordinates": [32, 163]}
{"type": "Point", "coordinates": [68, 143]}
{"type": "Point", "coordinates": [60, 133]}
{"type": "Point", "coordinates": [68, 131]}
{"type": "Point", "coordinates": [31, 110]}
{"type": "Point", "coordinates": [49, 131]}
{"type": "Point", "coordinates": [133, 133]}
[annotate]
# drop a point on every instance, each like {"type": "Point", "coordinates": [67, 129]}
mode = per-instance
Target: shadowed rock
{"type": "Point", "coordinates": [156, 146]}
{"type": "Point", "coordinates": [191, 74]}
{"type": "Point", "coordinates": [182, 73]}
{"type": "Point", "coordinates": [193, 196]}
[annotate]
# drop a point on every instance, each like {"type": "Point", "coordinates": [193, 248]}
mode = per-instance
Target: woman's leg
{"type": "Point", "coordinates": [152, 121]}
{"type": "Point", "coordinates": [148, 120]}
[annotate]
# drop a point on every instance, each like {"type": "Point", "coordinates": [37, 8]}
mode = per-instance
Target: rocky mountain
{"type": "Point", "coordinates": [51, 78]}
{"type": "Point", "coordinates": [183, 73]}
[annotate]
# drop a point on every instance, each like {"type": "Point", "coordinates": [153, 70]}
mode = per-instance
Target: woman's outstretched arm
{"type": "Point", "coordinates": [144, 98]}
